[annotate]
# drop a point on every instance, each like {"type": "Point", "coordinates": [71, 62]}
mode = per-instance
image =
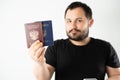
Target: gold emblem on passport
{"type": "Point", "coordinates": [34, 35]}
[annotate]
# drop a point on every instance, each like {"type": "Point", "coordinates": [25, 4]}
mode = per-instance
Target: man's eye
{"type": "Point", "coordinates": [79, 20]}
{"type": "Point", "coordinates": [68, 21]}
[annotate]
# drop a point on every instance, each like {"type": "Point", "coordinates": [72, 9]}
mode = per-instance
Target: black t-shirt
{"type": "Point", "coordinates": [73, 62]}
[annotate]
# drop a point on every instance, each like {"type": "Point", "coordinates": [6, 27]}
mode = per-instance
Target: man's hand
{"type": "Point", "coordinates": [37, 52]}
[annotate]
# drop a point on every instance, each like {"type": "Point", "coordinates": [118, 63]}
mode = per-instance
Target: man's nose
{"type": "Point", "coordinates": [73, 24]}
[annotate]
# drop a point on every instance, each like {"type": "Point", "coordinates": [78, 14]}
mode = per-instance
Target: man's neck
{"type": "Point", "coordinates": [81, 43]}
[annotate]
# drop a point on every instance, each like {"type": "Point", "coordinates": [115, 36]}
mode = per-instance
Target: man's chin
{"type": "Point", "coordinates": [75, 39]}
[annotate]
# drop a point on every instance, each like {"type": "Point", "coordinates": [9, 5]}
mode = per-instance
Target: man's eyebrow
{"type": "Point", "coordinates": [76, 18]}
{"type": "Point", "coordinates": [67, 19]}
{"type": "Point", "coordinates": [79, 18]}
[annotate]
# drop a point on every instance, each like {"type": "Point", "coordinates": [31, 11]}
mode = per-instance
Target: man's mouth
{"type": "Point", "coordinates": [74, 31]}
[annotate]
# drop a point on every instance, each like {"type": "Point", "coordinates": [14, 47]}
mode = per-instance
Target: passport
{"type": "Point", "coordinates": [39, 30]}
{"type": "Point", "coordinates": [47, 32]}
{"type": "Point", "coordinates": [33, 32]}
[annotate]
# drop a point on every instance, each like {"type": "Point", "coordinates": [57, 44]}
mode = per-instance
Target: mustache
{"type": "Point", "coordinates": [75, 30]}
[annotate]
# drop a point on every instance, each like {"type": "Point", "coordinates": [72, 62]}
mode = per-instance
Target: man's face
{"type": "Point", "coordinates": [77, 25]}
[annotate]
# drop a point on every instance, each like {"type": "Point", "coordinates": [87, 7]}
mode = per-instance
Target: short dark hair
{"type": "Point", "coordinates": [86, 8]}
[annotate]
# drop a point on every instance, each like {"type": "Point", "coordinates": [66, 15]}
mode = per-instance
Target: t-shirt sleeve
{"type": "Point", "coordinates": [50, 56]}
{"type": "Point", "coordinates": [113, 59]}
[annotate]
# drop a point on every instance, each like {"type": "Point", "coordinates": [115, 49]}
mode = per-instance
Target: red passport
{"type": "Point", "coordinates": [33, 32]}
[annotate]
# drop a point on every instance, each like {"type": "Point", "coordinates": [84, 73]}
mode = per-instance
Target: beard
{"type": "Point", "coordinates": [77, 35]}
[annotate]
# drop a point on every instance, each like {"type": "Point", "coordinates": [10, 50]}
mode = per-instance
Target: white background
{"type": "Point", "coordinates": [15, 63]}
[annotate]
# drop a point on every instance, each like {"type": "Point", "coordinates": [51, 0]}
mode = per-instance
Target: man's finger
{"type": "Point", "coordinates": [35, 43]}
{"type": "Point", "coordinates": [40, 52]}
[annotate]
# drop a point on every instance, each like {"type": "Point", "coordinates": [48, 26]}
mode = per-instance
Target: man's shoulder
{"type": "Point", "coordinates": [100, 42]}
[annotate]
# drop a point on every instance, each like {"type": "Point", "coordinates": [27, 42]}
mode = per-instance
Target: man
{"type": "Point", "coordinates": [79, 57]}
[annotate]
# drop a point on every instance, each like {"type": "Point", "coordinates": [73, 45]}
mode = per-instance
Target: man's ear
{"type": "Point", "coordinates": [91, 21]}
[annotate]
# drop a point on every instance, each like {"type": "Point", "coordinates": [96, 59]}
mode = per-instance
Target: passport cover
{"type": "Point", "coordinates": [47, 32]}
{"type": "Point", "coordinates": [33, 32]}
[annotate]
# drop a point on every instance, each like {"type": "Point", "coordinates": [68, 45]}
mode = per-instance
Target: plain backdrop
{"type": "Point", "coordinates": [15, 63]}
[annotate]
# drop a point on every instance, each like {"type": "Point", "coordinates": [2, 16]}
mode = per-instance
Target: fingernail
{"type": "Point", "coordinates": [37, 41]}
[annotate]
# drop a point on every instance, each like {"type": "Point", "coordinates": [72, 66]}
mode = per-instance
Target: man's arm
{"type": "Point", "coordinates": [42, 70]}
{"type": "Point", "coordinates": [113, 73]}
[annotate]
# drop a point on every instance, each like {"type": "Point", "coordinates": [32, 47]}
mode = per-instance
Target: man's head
{"type": "Point", "coordinates": [86, 8]}
{"type": "Point", "coordinates": [78, 18]}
